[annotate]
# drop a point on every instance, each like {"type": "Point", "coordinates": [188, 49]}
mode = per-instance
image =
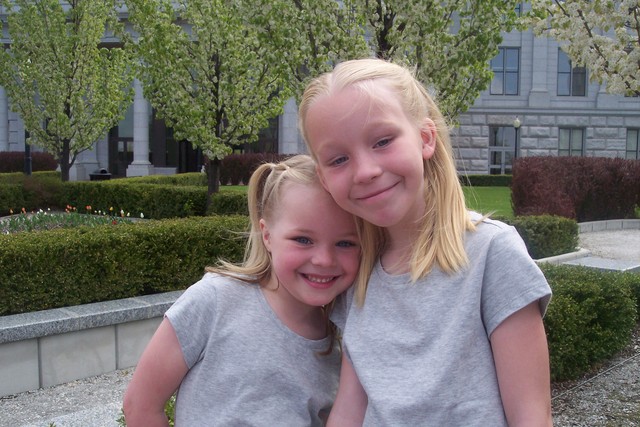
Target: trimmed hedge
{"type": "Point", "coordinates": [546, 235]}
{"type": "Point", "coordinates": [485, 180]}
{"type": "Point", "coordinates": [41, 190]}
{"type": "Point", "coordinates": [156, 197]}
{"type": "Point", "coordinates": [57, 268]}
{"type": "Point", "coordinates": [590, 318]}
{"type": "Point", "coordinates": [154, 201]}
{"type": "Point", "coordinates": [181, 179]}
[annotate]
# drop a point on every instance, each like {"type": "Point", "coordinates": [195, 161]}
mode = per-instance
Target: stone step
{"type": "Point", "coordinates": [606, 264]}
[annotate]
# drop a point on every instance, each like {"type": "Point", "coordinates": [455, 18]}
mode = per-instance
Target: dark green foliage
{"type": "Point", "coordinates": [41, 190]}
{"type": "Point", "coordinates": [582, 188]}
{"type": "Point", "coordinates": [154, 201]}
{"type": "Point", "coordinates": [19, 177]}
{"type": "Point", "coordinates": [485, 180]}
{"type": "Point", "coordinates": [13, 161]}
{"type": "Point", "coordinates": [590, 318]}
{"type": "Point", "coordinates": [11, 198]}
{"type": "Point", "coordinates": [57, 268]}
{"type": "Point", "coordinates": [546, 235]}
{"type": "Point", "coordinates": [181, 179]}
{"type": "Point", "coordinates": [229, 203]}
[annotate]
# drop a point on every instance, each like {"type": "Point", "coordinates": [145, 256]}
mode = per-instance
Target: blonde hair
{"type": "Point", "coordinates": [266, 188]}
{"type": "Point", "coordinates": [441, 238]}
{"type": "Point", "coordinates": [263, 197]}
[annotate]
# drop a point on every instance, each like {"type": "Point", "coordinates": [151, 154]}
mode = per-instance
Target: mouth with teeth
{"type": "Point", "coordinates": [321, 282]}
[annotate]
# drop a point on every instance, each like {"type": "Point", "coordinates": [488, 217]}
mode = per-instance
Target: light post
{"type": "Point", "coordinates": [516, 126]}
{"type": "Point", "coordinates": [27, 156]}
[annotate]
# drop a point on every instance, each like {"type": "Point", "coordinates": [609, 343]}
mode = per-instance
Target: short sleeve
{"type": "Point", "coordinates": [192, 318]}
{"type": "Point", "coordinates": [512, 280]}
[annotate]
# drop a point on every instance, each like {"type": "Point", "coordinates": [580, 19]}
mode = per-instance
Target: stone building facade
{"type": "Point", "coordinates": [538, 104]}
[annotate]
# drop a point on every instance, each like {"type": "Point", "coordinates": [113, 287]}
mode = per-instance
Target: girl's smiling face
{"type": "Point", "coordinates": [370, 155]}
{"type": "Point", "coordinates": [314, 247]}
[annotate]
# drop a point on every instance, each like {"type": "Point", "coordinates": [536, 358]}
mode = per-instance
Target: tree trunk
{"type": "Point", "coordinates": [213, 179]}
{"type": "Point", "coordinates": [65, 164]}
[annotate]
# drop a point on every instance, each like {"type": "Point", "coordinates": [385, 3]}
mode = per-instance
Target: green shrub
{"type": "Point", "coordinates": [590, 318]}
{"type": "Point", "coordinates": [181, 179]}
{"type": "Point", "coordinates": [485, 180]}
{"type": "Point", "coordinates": [546, 235]}
{"type": "Point", "coordinates": [229, 203]}
{"type": "Point", "coordinates": [58, 268]}
{"type": "Point", "coordinates": [40, 190]}
{"type": "Point", "coordinates": [11, 198]}
{"type": "Point", "coordinates": [154, 201]}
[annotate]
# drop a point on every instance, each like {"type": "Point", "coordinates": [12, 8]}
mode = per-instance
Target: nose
{"type": "Point", "coordinates": [323, 256]}
{"type": "Point", "coordinates": [366, 169]}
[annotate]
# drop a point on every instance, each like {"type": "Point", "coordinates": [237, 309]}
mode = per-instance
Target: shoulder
{"type": "Point", "coordinates": [213, 286]}
{"type": "Point", "coordinates": [493, 234]}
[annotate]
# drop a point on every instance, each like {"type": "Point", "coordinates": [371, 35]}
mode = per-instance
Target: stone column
{"type": "Point", "coordinates": [140, 165]}
{"type": "Point", "coordinates": [539, 95]}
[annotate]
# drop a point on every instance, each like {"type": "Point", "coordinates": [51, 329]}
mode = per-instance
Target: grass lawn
{"type": "Point", "coordinates": [496, 200]}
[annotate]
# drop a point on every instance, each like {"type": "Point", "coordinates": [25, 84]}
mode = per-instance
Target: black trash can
{"type": "Point", "coordinates": [100, 175]}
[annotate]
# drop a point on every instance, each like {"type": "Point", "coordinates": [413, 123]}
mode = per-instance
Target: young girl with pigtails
{"type": "Point", "coordinates": [252, 344]}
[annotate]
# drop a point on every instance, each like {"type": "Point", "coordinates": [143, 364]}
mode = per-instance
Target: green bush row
{"type": "Point", "coordinates": [154, 201]}
{"type": "Point", "coordinates": [485, 180]}
{"type": "Point", "coordinates": [39, 191]}
{"type": "Point", "coordinates": [190, 178]}
{"type": "Point", "coordinates": [155, 197]}
{"type": "Point", "coordinates": [57, 268]}
{"type": "Point", "coordinates": [590, 318]}
{"type": "Point", "coordinates": [546, 235]}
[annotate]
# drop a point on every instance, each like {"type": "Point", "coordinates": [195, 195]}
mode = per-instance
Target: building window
{"type": "Point", "coordinates": [633, 144]}
{"type": "Point", "coordinates": [502, 149]}
{"type": "Point", "coordinates": [506, 71]}
{"type": "Point", "coordinates": [571, 142]}
{"type": "Point", "coordinates": [572, 81]}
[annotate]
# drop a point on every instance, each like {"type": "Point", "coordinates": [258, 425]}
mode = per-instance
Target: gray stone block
{"type": "Point", "coordinates": [19, 367]}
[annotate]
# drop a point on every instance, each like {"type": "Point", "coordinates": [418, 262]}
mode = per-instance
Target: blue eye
{"type": "Point", "coordinates": [383, 142]}
{"type": "Point", "coordinates": [303, 240]}
{"type": "Point", "coordinates": [339, 161]}
{"type": "Point", "coordinates": [346, 244]}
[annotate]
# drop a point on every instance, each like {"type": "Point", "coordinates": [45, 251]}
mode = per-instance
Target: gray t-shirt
{"type": "Point", "coordinates": [246, 368]}
{"type": "Point", "coordinates": [422, 350]}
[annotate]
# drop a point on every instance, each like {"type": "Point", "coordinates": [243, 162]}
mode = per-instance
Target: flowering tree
{"type": "Point", "coordinates": [217, 71]}
{"type": "Point", "coordinates": [68, 88]}
{"type": "Point", "coordinates": [603, 35]}
{"type": "Point", "coordinates": [449, 42]}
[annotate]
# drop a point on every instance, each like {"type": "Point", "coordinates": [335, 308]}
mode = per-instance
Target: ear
{"type": "Point", "coordinates": [321, 176]}
{"type": "Point", "coordinates": [428, 135]}
{"type": "Point", "coordinates": [264, 229]}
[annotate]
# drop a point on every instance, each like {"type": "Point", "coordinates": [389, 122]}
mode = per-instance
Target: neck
{"type": "Point", "coordinates": [305, 320]}
{"type": "Point", "coordinates": [396, 255]}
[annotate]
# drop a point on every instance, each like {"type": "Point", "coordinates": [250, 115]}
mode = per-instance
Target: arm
{"type": "Point", "coordinates": [159, 372]}
{"type": "Point", "coordinates": [351, 401]}
{"type": "Point", "coordinates": [521, 356]}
